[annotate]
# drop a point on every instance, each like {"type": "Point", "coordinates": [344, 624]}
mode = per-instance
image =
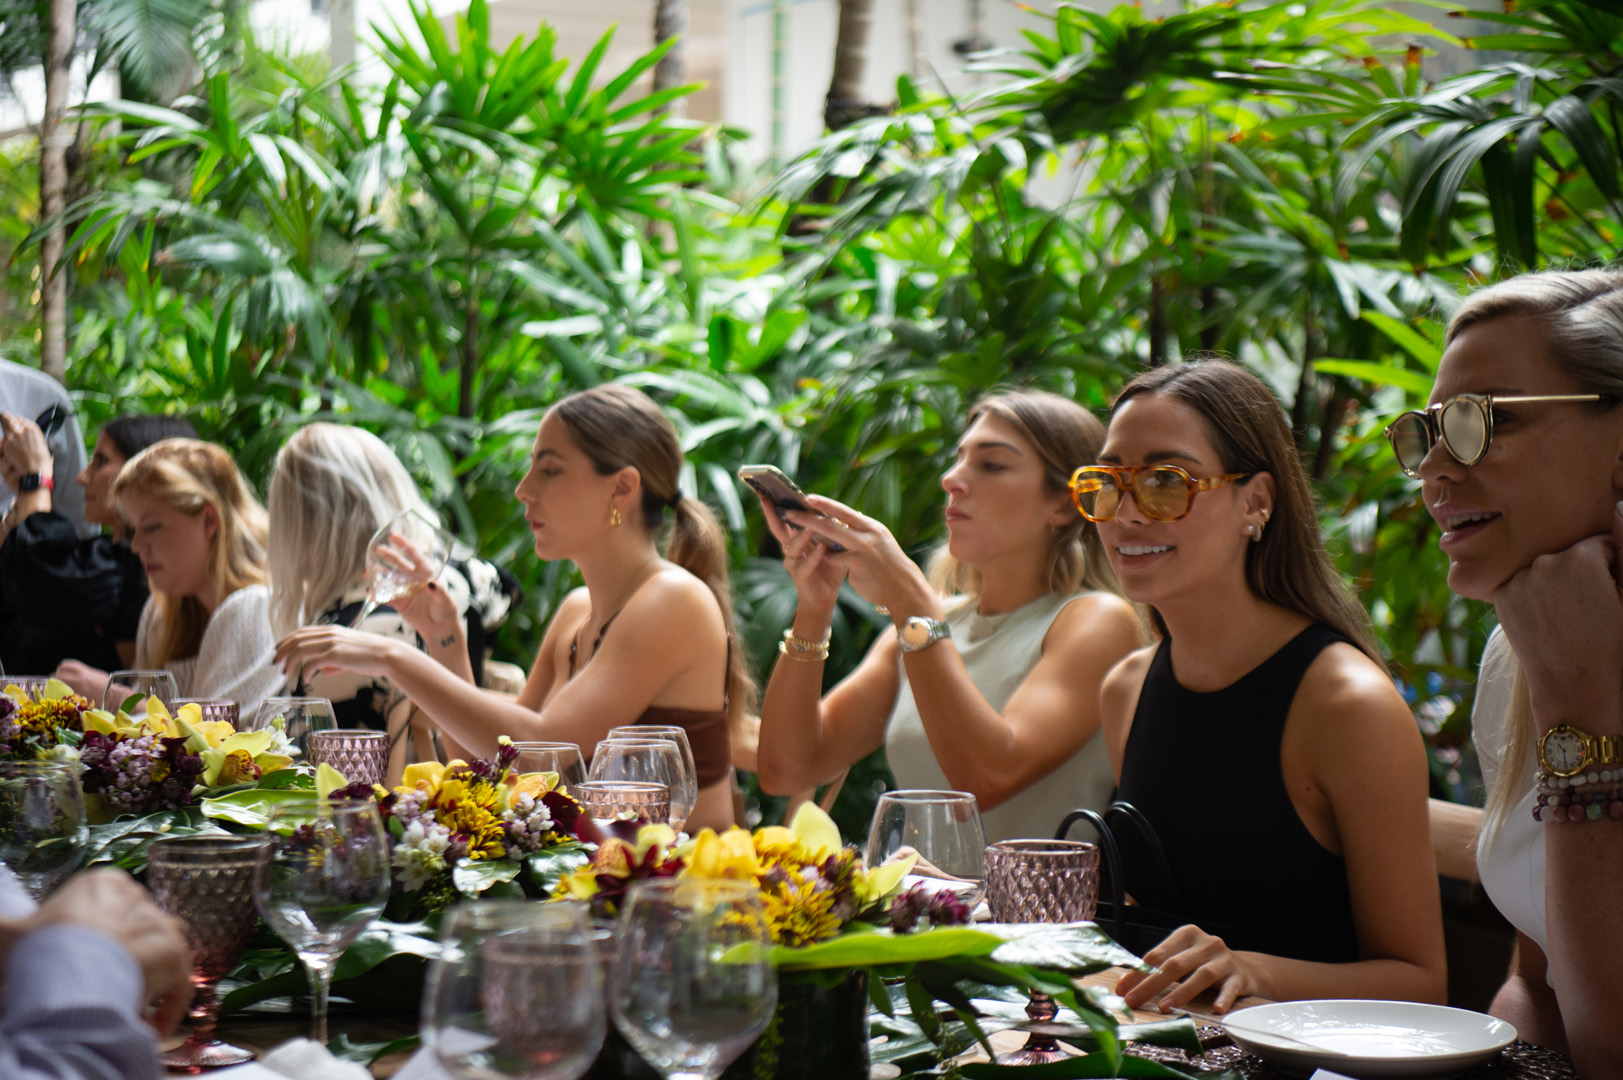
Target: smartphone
{"type": "Point", "coordinates": [770, 482]}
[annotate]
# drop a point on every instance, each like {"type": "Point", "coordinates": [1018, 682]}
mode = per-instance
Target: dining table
{"type": "Point", "coordinates": [1518, 1061]}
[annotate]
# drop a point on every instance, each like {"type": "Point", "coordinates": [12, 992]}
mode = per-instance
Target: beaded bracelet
{"type": "Point", "coordinates": [1574, 804]}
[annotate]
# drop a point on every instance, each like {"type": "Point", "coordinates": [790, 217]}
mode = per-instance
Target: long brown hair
{"type": "Point", "coordinates": [1289, 566]}
{"type": "Point", "coordinates": [619, 427]}
{"type": "Point", "coordinates": [189, 475]}
{"type": "Point", "coordinates": [1580, 314]}
{"type": "Point", "coordinates": [1065, 435]}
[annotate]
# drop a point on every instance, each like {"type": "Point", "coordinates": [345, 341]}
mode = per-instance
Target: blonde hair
{"type": "Point", "coordinates": [333, 487]}
{"type": "Point", "coordinates": [1065, 436]}
{"type": "Point", "coordinates": [189, 475]}
{"type": "Point", "coordinates": [1581, 315]}
{"type": "Point", "coordinates": [620, 427]}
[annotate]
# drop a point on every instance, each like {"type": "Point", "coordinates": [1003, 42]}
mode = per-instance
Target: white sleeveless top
{"type": "Point", "coordinates": [236, 659]}
{"type": "Point", "coordinates": [1000, 652]}
{"type": "Point", "coordinates": [1511, 862]}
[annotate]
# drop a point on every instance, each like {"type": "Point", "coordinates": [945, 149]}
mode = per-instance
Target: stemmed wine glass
{"type": "Point", "coordinates": [207, 882]}
{"type": "Point", "coordinates": [296, 718]}
{"type": "Point", "coordinates": [651, 761]}
{"type": "Point", "coordinates": [1041, 881]}
{"type": "Point", "coordinates": [516, 991]}
{"type": "Point", "coordinates": [670, 733]}
{"type": "Point", "coordinates": [42, 822]}
{"type": "Point", "coordinates": [943, 828]}
{"type": "Point", "coordinates": [325, 880]}
{"type": "Point", "coordinates": [693, 984]}
{"type": "Point", "coordinates": [140, 683]}
{"type": "Point", "coordinates": [405, 554]}
{"type": "Point", "coordinates": [563, 758]}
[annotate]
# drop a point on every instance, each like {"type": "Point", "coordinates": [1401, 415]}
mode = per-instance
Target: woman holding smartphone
{"type": "Point", "coordinates": [648, 640]}
{"type": "Point", "coordinates": [1262, 737]}
{"type": "Point", "coordinates": [990, 683]}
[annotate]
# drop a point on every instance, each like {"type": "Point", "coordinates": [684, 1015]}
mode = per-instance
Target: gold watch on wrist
{"type": "Point", "coordinates": [1567, 751]}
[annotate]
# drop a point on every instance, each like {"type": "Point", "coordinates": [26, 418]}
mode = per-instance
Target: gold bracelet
{"type": "Point", "coordinates": [800, 644]}
{"type": "Point", "coordinates": [805, 656]}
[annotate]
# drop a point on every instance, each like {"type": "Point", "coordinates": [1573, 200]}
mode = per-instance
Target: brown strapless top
{"type": "Point", "coordinates": [709, 736]}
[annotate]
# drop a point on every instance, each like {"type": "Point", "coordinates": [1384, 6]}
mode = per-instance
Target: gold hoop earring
{"type": "Point", "coordinates": [614, 517]}
{"type": "Point", "coordinates": [1256, 532]}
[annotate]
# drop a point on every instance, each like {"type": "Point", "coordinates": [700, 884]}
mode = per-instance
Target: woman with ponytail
{"type": "Point", "coordinates": [648, 640]}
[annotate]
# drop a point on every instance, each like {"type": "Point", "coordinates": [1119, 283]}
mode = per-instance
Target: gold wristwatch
{"type": "Point", "coordinates": [1567, 751]}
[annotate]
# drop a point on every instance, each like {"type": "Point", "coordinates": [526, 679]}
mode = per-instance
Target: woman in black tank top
{"type": "Point", "coordinates": [1279, 766]}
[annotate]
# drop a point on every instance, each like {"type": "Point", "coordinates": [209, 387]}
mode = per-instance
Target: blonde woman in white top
{"type": "Point", "coordinates": [200, 535]}
{"type": "Point", "coordinates": [996, 692]}
{"type": "Point", "coordinates": [1520, 458]}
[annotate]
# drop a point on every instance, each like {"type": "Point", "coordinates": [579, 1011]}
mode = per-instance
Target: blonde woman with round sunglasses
{"type": "Point", "coordinates": [1520, 462]}
{"type": "Point", "coordinates": [1262, 737]}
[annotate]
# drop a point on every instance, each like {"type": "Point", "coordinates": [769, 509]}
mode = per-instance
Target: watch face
{"type": "Point", "coordinates": [1563, 751]}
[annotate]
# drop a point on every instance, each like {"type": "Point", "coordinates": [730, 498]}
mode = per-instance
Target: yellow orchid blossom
{"type": "Point", "coordinates": [815, 831]}
{"type": "Point", "coordinates": [235, 753]}
{"type": "Point", "coordinates": [730, 855]}
{"type": "Point", "coordinates": [328, 780]}
{"type": "Point", "coordinates": [425, 775]}
{"type": "Point", "coordinates": [882, 880]}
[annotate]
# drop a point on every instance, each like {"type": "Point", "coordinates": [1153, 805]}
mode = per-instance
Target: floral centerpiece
{"type": "Point", "coordinates": [47, 724]}
{"type": "Point", "coordinates": [846, 937]}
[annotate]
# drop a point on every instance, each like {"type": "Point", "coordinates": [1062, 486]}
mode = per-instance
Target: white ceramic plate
{"type": "Point", "coordinates": [1368, 1038]}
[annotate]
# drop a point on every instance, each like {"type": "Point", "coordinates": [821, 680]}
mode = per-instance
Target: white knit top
{"type": "Point", "coordinates": [234, 660]}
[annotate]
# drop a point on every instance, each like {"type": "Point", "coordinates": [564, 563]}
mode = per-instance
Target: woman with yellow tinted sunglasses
{"type": "Point", "coordinates": [1262, 738]}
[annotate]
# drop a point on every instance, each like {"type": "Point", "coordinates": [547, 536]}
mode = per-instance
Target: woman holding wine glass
{"type": "Point", "coordinates": [332, 489]}
{"type": "Point", "coordinates": [1265, 707]}
{"type": "Point", "coordinates": [648, 640]}
{"type": "Point", "coordinates": [991, 683]}
{"type": "Point", "coordinates": [200, 535]}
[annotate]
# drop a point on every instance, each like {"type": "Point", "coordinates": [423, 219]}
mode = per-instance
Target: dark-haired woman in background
{"type": "Point", "coordinates": [77, 600]}
{"type": "Point", "coordinates": [1262, 737]}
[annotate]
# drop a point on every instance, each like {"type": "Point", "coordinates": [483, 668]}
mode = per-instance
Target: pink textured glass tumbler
{"type": "Point", "coordinates": [609, 800]}
{"type": "Point", "coordinates": [213, 708]}
{"type": "Point", "coordinates": [1041, 881]}
{"type": "Point", "coordinates": [361, 755]}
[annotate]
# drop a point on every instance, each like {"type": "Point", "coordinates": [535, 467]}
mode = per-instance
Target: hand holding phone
{"type": "Point", "coordinates": [770, 482]}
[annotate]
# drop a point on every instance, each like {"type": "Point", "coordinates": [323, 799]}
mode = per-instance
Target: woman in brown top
{"type": "Point", "coordinates": [648, 640]}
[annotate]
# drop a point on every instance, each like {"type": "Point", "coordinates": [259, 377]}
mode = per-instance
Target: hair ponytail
{"type": "Point", "coordinates": [620, 427]}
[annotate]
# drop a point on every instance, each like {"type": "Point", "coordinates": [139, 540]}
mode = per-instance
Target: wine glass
{"type": "Point", "coordinates": [943, 828]}
{"type": "Point", "coordinates": [42, 822]}
{"type": "Point", "coordinates": [563, 758]}
{"type": "Point", "coordinates": [1038, 881]}
{"type": "Point", "coordinates": [325, 880]}
{"type": "Point", "coordinates": [693, 983]}
{"type": "Point", "coordinates": [207, 882]}
{"type": "Point", "coordinates": [140, 683]}
{"type": "Point", "coordinates": [651, 761]}
{"type": "Point", "coordinates": [516, 991]}
{"type": "Point", "coordinates": [295, 718]}
{"type": "Point", "coordinates": [407, 553]}
{"type": "Point", "coordinates": [670, 733]}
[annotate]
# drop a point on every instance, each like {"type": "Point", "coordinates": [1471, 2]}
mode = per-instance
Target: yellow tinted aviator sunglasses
{"type": "Point", "coordinates": [1162, 492]}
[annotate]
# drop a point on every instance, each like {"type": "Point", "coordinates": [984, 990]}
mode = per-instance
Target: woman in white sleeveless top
{"type": "Point", "coordinates": [994, 690]}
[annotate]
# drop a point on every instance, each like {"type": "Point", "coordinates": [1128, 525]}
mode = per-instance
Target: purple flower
{"type": "Point", "coordinates": [909, 906]}
{"type": "Point", "coordinates": [948, 909]}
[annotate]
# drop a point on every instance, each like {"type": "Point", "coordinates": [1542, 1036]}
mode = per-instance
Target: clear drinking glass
{"type": "Point", "coordinates": [325, 880]}
{"type": "Point", "coordinates": [563, 758]}
{"type": "Point", "coordinates": [360, 754]}
{"type": "Point", "coordinates": [649, 761]}
{"type": "Point", "coordinates": [612, 800]}
{"type": "Point", "coordinates": [1036, 881]}
{"type": "Point", "coordinates": [296, 718]}
{"type": "Point", "coordinates": [42, 822]}
{"type": "Point", "coordinates": [207, 882]}
{"type": "Point", "coordinates": [407, 553]}
{"type": "Point", "coordinates": [670, 733]}
{"type": "Point", "coordinates": [517, 991]}
{"type": "Point", "coordinates": [140, 683]}
{"type": "Point", "coordinates": [943, 828]}
{"type": "Point", "coordinates": [693, 983]}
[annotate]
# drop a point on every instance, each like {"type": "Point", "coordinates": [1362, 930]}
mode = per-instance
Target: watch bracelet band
{"type": "Point", "coordinates": [800, 644]}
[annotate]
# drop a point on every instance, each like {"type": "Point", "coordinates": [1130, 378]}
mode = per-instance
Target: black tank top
{"type": "Point", "coordinates": [1204, 768]}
